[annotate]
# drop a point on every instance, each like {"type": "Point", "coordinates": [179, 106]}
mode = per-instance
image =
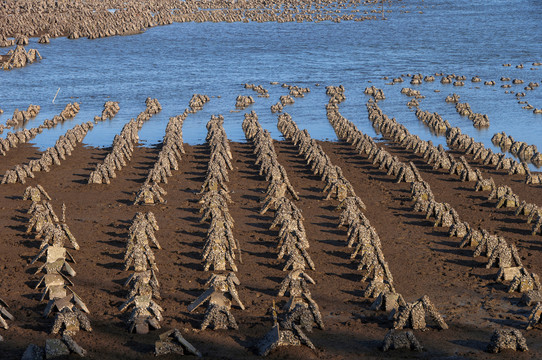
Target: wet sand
{"type": "Point", "coordinates": [422, 259]}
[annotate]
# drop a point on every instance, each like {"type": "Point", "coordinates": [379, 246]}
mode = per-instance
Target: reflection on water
{"type": "Point", "coordinates": [171, 63]}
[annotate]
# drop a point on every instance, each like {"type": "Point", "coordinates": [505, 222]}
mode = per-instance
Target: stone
{"type": "Point", "coordinates": [33, 352]}
{"type": "Point", "coordinates": [55, 348]}
{"type": "Point", "coordinates": [531, 297]}
{"type": "Point", "coordinates": [510, 273]}
{"type": "Point", "coordinates": [167, 344]}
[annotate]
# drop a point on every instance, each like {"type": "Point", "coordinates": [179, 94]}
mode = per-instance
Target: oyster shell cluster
{"type": "Point", "coordinates": [364, 144]}
{"type": "Point", "coordinates": [286, 100]}
{"type": "Point", "coordinates": [413, 315]}
{"type": "Point", "coordinates": [169, 156]}
{"type": "Point", "coordinates": [242, 102]}
{"type": "Point", "coordinates": [444, 214]}
{"type": "Point", "coordinates": [282, 336]}
{"type": "Point", "coordinates": [296, 91]}
{"type": "Point", "coordinates": [262, 92]}
{"type": "Point", "coordinates": [277, 108]}
{"type": "Point", "coordinates": [13, 139]}
{"type": "Point", "coordinates": [400, 340]}
{"type": "Point", "coordinates": [536, 217]}
{"type": "Point", "coordinates": [68, 113]}
{"type": "Point", "coordinates": [22, 116]}
{"type": "Point", "coordinates": [441, 159]}
{"type": "Point", "coordinates": [123, 146]}
{"type": "Point", "coordinates": [466, 144]}
{"type": "Point", "coordinates": [433, 121]}
{"type": "Point", "coordinates": [91, 19]}
{"type": "Point", "coordinates": [143, 283]}
{"type": "Point", "coordinates": [19, 57]}
{"type": "Point", "coordinates": [63, 147]}
{"type": "Point", "coordinates": [495, 248]}
{"type": "Point", "coordinates": [300, 312]}
{"type": "Point", "coordinates": [376, 93]}
{"type": "Point", "coordinates": [293, 242]}
{"type": "Point", "coordinates": [279, 184]}
{"type": "Point", "coordinates": [504, 196]}
{"type": "Point", "coordinates": [520, 149]}
{"type": "Point", "coordinates": [197, 101]}
{"type": "Point", "coordinates": [507, 339]}
{"type": "Point", "coordinates": [138, 251]}
{"type": "Point", "coordinates": [221, 291]}
{"type": "Point", "coordinates": [111, 108]}
{"type": "Point", "coordinates": [150, 193]}
{"type": "Point", "coordinates": [479, 121]}
{"type": "Point", "coordinates": [337, 186]}
{"type": "Point", "coordinates": [173, 342]}
{"type": "Point", "coordinates": [220, 244]}
{"type": "Point", "coordinates": [4, 316]}
{"type": "Point", "coordinates": [68, 307]}
{"type": "Point", "coordinates": [368, 243]}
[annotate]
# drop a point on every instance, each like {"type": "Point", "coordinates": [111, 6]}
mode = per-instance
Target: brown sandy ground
{"type": "Point", "coordinates": [423, 259]}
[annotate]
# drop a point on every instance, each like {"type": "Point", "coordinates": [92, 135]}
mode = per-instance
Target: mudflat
{"type": "Point", "coordinates": [423, 259]}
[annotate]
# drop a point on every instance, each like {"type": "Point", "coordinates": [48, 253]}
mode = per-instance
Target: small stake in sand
{"type": "Point", "coordinates": [56, 95]}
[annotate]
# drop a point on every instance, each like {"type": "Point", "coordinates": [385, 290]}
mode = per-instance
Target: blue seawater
{"type": "Point", "coordinates": [173, 62]}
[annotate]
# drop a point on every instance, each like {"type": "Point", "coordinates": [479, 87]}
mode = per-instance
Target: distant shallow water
{"type": "Point", "coordinates": [173, 62]}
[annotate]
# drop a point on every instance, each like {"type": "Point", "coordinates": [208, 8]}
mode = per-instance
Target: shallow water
{"type": "Point", "coordinates": [172, 62]}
